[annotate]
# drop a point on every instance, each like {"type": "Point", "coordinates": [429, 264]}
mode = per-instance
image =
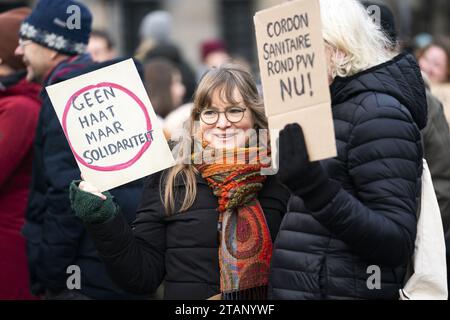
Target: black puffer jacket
{"type": "Point", "coordinates": [182, 248]}
{"type": "Point", "coordinates": [372, 219]}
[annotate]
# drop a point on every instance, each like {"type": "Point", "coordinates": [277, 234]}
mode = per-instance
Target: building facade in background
{"type": "Point", "coordinates": [232, 20]}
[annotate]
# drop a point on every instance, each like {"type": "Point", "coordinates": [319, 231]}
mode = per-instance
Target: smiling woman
{"type": "Point", "coordinates": [219, 89]}
{"type": "Point", "coordinates": [208, 227]}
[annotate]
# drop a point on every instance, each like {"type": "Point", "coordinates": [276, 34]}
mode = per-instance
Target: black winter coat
{"type": "Point", "coordinates": [55, 237]}
{"type": "Point", "coordinates": [182, 248]}
{"type": "Point", "coordinates": [371, 221]}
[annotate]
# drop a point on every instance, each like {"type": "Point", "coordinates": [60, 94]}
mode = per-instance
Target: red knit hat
{"type": "Point", "coordinates": [212, 46]}
{"type": "Point", "coordinates": [9, 40]}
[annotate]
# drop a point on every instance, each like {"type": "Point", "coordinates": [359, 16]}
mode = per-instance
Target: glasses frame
{"type": "Point", "coordinates": [225, 112]}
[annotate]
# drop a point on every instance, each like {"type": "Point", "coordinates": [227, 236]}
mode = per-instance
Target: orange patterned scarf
{"type": "Point", "coordinates": [245, 246]}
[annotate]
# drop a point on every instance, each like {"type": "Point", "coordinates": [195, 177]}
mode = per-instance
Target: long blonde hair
{"type": "Point", "coordinates": [355, 41]}
{"type": "Point", "coordinates": [227, 79]}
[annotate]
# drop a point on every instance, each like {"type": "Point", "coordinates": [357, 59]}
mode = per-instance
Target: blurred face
{"type": "Point", "coordinates": [177, 90]}
{"type": "Point", "coordinates": [38, 59]}
{"type": "Point", "coordinates": [434, 63]}
{"type": "Point", "coordinates": [216, 59]}
{"type": "Point", "coordinates": [98, 49]}
{"type": "Point", "coordinates": [228, 131]}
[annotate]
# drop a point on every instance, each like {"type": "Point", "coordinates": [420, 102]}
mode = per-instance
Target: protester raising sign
{"type": "Point", "coordinates": [294, 75]}
{"type": "Point", "coordinates": [111, 126]}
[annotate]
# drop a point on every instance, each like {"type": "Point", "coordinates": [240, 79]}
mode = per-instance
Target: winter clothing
{"type": "Point", "coordinates": [19, 111]}
{"type": "Point", "coordinates": [436, 141]}
{"type": "Point", "coordinates": [56, 238]}
{"type": "Point", "coordinates": [323, 250]}
{"type": "Point", "coordinates": [294, 163]}
{"type": "Point", "coordinates": [245, 246]}
{"type": "Point", "coordinates": [91, 208]}
{"type": "Point", "coordinates": [11, 20]}
{"type": "Point", "coordinates": [181, 248]}
{"type": "Point", "coordinates": [435, 136]}
{"type": "Point", "coordinates": [387, 18]}
{"type": "Point", "coordinates": [156, 26]}
{"type": "Point", "coordinates": [212, 46]}
{"type": "Point", "coordinates": [61, 25]}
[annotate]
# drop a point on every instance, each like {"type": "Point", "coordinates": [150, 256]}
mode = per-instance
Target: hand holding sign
{"type": "Point", "coordinates": [294, 75]}
{"type": "Point", "coordinates": [110, 125]}
{"type": "Point", "coordinates": [87, 187]}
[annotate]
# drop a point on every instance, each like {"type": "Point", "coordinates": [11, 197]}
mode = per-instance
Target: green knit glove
{"type": "Point", "coordinates": [90, 208]}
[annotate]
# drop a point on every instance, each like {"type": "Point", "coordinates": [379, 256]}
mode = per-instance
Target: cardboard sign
{"type": "Point", "coordinates": [294, 74]}
{"type": "Point", "coordinates": [111, 126]}
{"type": "Point", "coordinates": [442, 92]}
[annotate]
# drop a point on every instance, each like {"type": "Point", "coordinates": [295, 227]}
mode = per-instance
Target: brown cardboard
{"type": "Point", "coordinates": [294, 73]}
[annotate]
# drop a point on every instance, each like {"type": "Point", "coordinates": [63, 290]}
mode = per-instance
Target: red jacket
{"type": "Point", "coordinates": [19, 112]}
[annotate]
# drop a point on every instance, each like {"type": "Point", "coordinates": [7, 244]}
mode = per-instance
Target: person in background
{"type": "Point", "coordinates": [101, 46]}
{"type": "Point", "coordinates": [436, 142]}
{"type": "Point", "coordinates": [19, 111]}
{"type": "Point", "coordinates": [359, 208]}
{"type": "Point", "coordinates": [435, 136]}
{"type": "Point", "coordinates": [155, 28]}
{"type": "Point", "coordinates": [164, 86]}
{"type": "Point", "coordinates": [434, 60]}
{"type": "Point", "coordinates": [55, 238]}
{"type": "Point", "coordinates": [213, 55]}
{"type": "Point", "coordinates": [419, 42]}
{"type": "Point", "coordinates": [156, 42]}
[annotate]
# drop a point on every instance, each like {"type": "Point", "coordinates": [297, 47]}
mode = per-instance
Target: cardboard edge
{"type": "Point", "coordinates": [319, 131]}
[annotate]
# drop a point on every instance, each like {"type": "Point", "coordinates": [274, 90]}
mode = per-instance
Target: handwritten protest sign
{"type": "Point", "coordinates": [442, 92]}
{"type": "Point", "coordinates": [294, 74]}
{"type": "Point", "coordinates": [110, 125]}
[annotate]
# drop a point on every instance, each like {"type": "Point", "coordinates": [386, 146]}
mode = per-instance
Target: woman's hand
{"type": "Point", "coordinates": [87, 187]}
{"type": "Point", "coordinates": [89, 204]}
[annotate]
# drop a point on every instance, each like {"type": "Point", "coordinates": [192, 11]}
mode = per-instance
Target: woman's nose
{"type": "Point", "coordinates": [223, 122]}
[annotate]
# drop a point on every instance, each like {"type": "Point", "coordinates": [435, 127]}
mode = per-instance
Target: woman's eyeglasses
{"type": "Point", "coordinates": [233, 115]}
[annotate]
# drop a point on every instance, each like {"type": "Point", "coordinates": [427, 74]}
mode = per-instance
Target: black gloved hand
{"type": "Point", "coordinates": [306, 179]}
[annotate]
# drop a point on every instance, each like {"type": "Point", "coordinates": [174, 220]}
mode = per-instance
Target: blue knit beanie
{"type": "Point", "coordinates": [61, 25]}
